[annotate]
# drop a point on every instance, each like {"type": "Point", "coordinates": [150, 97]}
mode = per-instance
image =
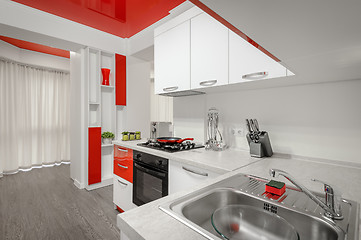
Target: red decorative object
{"type": "Point", "coordinates": [105, 72]}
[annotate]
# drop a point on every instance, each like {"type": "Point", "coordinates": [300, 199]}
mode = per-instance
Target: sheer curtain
{"type": "Point", "coordinates": [34, 117]}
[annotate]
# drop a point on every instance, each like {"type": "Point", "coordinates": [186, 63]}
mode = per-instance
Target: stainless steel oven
{"type": "Point", "coordinates": [150, 177]}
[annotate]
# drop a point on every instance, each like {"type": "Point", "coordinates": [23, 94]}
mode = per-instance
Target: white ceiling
{"type": "Point", "coordinates": [318, 40]}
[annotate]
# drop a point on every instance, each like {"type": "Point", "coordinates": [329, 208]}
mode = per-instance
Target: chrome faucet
{"type": "Point", "coordinates": [333, 202]}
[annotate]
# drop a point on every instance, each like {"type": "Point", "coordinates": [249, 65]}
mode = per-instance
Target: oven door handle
{"type": "Point", "coordinates": [152, 172]}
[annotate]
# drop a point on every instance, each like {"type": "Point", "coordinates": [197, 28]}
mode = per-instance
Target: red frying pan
{"type": "Point", "coordinates": [173, 139]}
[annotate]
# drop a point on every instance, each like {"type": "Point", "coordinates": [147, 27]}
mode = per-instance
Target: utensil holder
{"type": "Point", "coordinates": [263, 143]}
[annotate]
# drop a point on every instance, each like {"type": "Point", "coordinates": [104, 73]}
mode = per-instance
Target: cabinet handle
{"type": "Point", "coordinates": [195, 172]}
{"type": "Point", "coordinates": [208, 83]}
{"type": "Point", "coordinates": [169, 89]}
{"type": "Point", "coordinates": [256, 75]}
{"type": "Point", "coordinates": [122, 166]}
{"type": "Point", "coordinates": [122, 183]}
{"type": "Point", "coordinates": [123, 150]}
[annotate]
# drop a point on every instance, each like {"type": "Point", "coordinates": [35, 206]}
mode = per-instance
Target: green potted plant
{"type": "Point", "coordinates": [107, 137]}
{"type": "Point", "coordinates": [125, 136]}
{"type": "Point", "coordinates": [137, 135]}
{"type": "Point", "coordinates": [131, 136]}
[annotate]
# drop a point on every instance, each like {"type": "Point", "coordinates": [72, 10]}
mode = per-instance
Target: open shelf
{"type": "Point", "coordinates": [108, 145]}
{"type": "Point", "coordinates": [106, 86]}
{"type": "Point", "coordinates": [94, 75]}
{"type": "Point", "coordinates": [94, 115]}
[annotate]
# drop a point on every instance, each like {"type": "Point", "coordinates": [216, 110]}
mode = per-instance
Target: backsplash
{"type": "Point", "coordinates": [318, 120]}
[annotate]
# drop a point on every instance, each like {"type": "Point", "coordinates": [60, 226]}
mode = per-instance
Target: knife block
{"type": "Point", "coordinates": [262, 148]}
{"type": "Point", "coordinates": [256, 150]}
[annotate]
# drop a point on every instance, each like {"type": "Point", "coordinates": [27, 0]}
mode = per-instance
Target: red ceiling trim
{"type": "Point", "coordinates": [233, 28]}
{"type": "Point", "coordinates": [36, 47]}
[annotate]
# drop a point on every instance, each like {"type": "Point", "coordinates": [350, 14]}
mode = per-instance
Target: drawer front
{"type": "Point", "coordinates": [122, 152]}
{"type": "Point", "coordinates": [124, 169]}
{"type": "Point", "coordinates": [122, 193]}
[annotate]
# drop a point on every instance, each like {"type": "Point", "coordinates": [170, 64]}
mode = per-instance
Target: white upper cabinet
{"type": "Point", "coordinates": [247, 63]}
{"type": "Point", "coordinates": [209, 52]}
{"type": "Point", "coordinates": [171, 59]}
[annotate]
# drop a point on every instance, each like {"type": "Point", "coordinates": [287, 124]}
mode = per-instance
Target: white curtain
{"type": "Point", "coordinates": [34, 117]}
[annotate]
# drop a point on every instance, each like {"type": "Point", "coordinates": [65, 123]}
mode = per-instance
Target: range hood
{"type": "Point", "coordinates": [182, 93]}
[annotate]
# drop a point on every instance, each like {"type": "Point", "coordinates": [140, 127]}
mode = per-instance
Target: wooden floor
{"type": "Point", "coordinates": [45, 204]}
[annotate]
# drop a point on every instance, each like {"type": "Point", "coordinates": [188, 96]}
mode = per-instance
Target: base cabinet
{"type": "Point", "coordinates": [184, 176]}
{"type": "Point", "coordinates": [123, 193]}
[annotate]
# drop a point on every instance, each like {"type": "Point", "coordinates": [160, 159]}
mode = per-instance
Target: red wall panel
{"type": "Point", "coordinates": [120, 80]}
{"type": "Point", "coordinates": [94, 155]}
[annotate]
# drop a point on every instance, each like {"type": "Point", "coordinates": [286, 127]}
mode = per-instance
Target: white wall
{"type": "Point", "coordinates": [31, 57]}
{"type": "Point", "coordinates": [136, 115]}
{"type": "Point", "coordinates": [189, 114]}
{"type": "Point", "coordinates": [77, 119]}
{"type": "Point", "coordinates": [161, 107]}
{"type": "Point", "coordinates": [319, 120]}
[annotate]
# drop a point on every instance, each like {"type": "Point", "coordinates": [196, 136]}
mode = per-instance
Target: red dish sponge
{"type": "Point", "coordinates": [275, 187]}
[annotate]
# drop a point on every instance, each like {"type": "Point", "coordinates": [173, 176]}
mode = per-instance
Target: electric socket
{"type": "Point", "coordinates": [238, 132]}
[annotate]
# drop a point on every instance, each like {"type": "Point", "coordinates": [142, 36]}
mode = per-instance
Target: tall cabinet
{"type": "Point", "coordinates": [101, 117]}
{"type": "Point", "coordinates": [93, 111]}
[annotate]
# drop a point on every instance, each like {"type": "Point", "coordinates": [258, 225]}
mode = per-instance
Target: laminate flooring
{"type": "Point", "coordinates": [45, 204]}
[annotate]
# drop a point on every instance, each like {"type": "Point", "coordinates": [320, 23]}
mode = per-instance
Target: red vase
{"type": "Point", "coordinates": [105, 73]}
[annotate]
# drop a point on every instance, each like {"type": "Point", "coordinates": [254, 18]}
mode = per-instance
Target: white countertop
{"type": "Point", "coordinates": [219, 162]}
{"type": "Point", "coordinates": [148, 222]}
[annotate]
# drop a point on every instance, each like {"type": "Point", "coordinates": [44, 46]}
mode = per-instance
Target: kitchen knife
{"type": "Point", "coordinates": [251, 125]}
{"type": "Point", "coordinates": [250, 134]}
{"type": "Point", "coordinates": [254, 125]}
{"type": "Point", "coordinates": [255, 122]}
{"type": "Point", "coordinates": [248, 126]}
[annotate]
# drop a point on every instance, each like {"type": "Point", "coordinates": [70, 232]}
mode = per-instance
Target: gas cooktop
{"type": "Point", "coordinates": [171, 147]}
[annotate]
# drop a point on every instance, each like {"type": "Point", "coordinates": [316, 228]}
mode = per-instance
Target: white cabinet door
{"type": "Point", "coordinates": [123, 193]}
{"type": "Point", "coordinates": [172, 59]}
{"type": "Point", "coordinates": [184, 176]}
{"type": "Point", "coordinates": [209, 52]}
{"type": "Point", "coordinates": [246, 61]}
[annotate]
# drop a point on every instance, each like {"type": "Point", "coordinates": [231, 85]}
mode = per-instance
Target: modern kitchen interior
{"type": "Point", "coordinates": [180, 119]}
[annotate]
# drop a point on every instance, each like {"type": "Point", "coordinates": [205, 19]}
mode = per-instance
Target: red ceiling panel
{"type": "Point", "coordinates": [122, 18]}
{"type": "Point", "coordinates": [36, 47]}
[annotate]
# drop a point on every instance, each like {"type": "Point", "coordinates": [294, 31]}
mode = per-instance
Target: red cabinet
{"type": "Point", "coordinates": [120, 80]}
{"type": "Point", "coordinates": [123, 163]}
{"type": "Point", "coordinates": [94, 155]}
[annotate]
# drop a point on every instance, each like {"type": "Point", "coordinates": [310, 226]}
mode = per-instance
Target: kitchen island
{"type": "Point", "coordinates": [149, 222]}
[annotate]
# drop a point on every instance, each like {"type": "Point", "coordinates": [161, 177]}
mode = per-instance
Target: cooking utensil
{"type": "Point", "coordinates": [173, 139]}
{"type": "Point", "coordinates": [215, 139]}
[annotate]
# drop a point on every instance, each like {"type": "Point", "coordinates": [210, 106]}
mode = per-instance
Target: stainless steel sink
{"type": "Point", "coordinates": [195, 210]}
